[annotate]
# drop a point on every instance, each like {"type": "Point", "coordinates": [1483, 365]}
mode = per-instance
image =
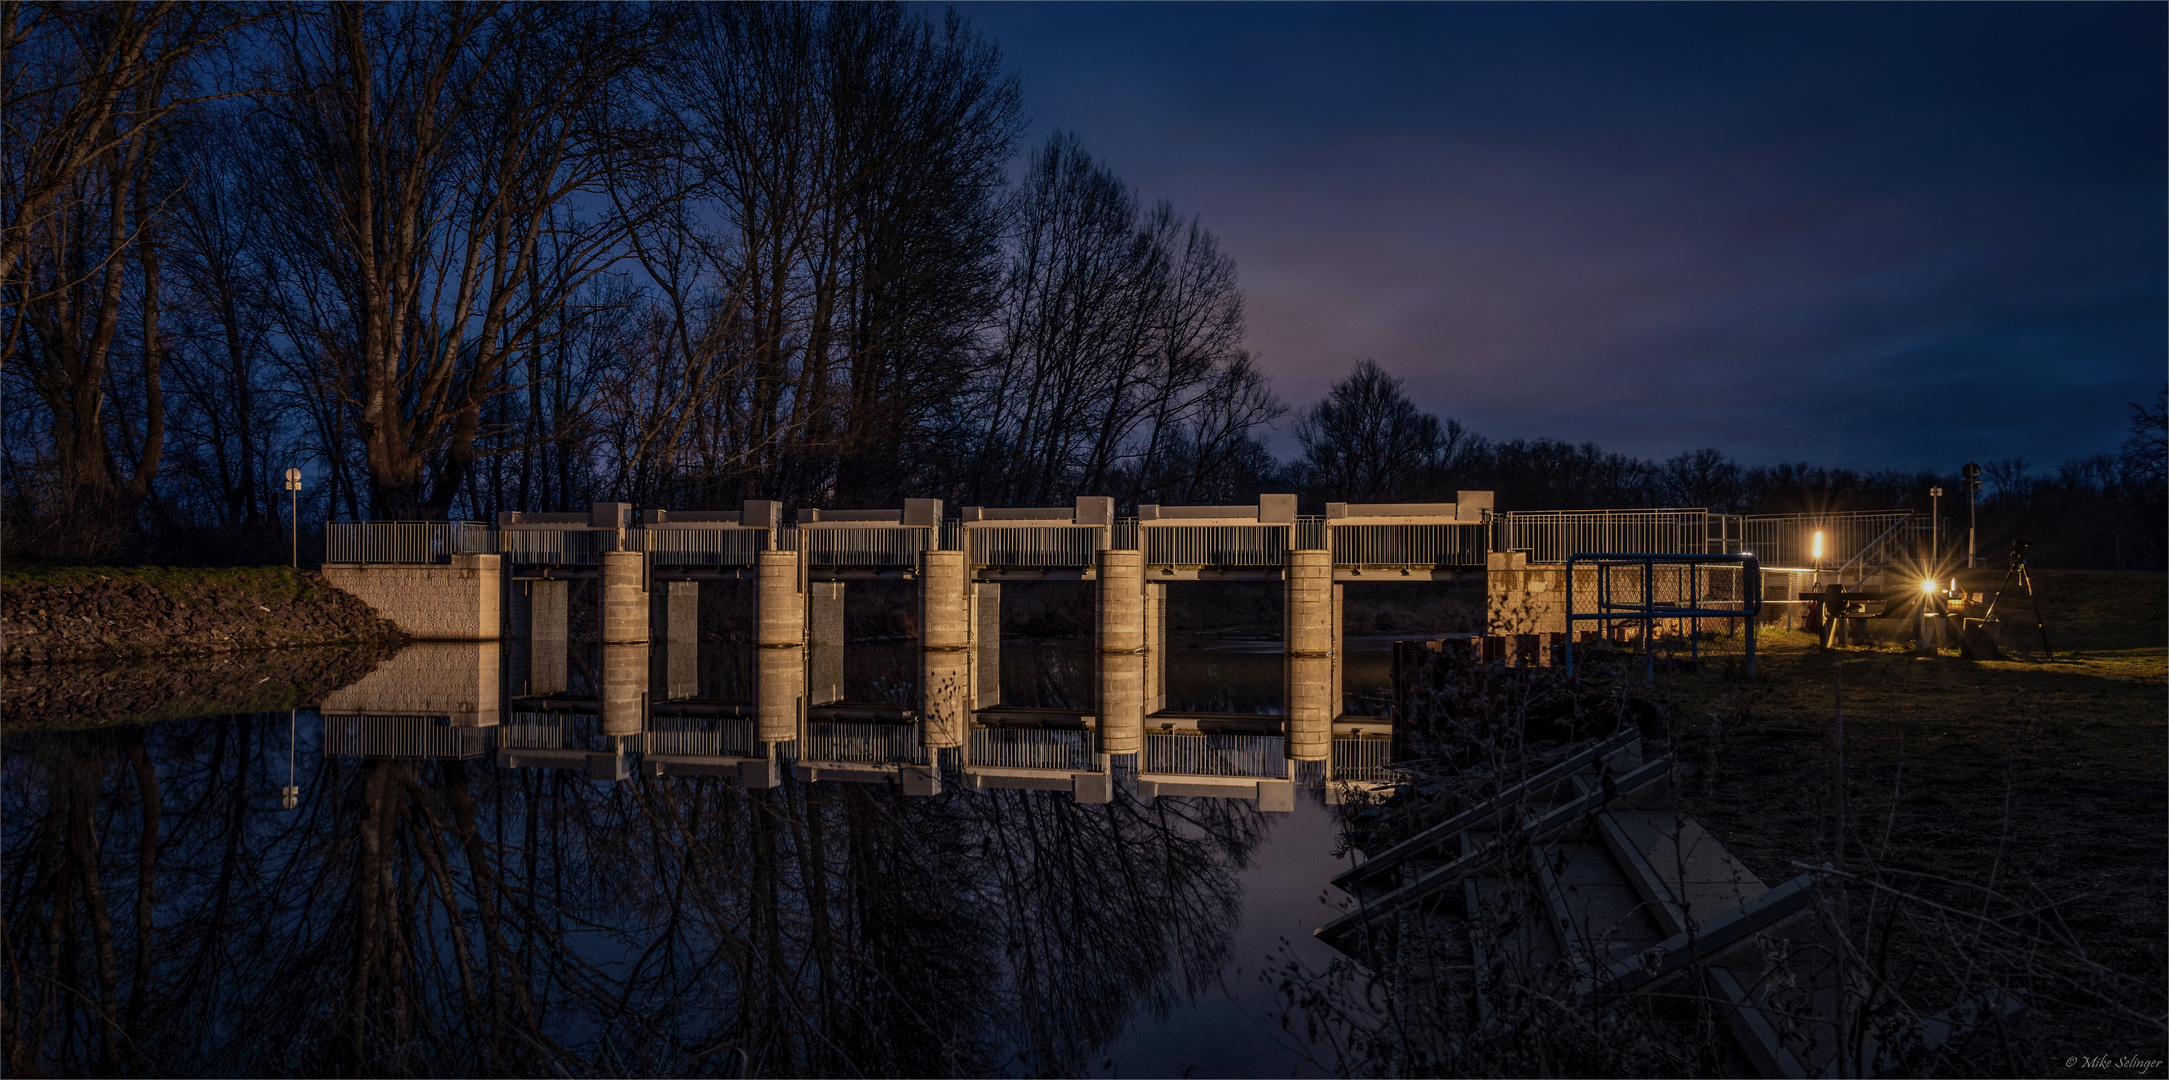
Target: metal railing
{"type": "Point", "coordinates": [1408, 546]}
{"type": "Point", "coordinates": [1124, 537]}
{"type": "Point", "coordinates": [1357, 757]}
{"type": "Point", "coordinates": [1053, 546]}
{"type": "Point", "coordinates": [698, 547]}
{"type": "Point", "coordinates": [1033, 748]}
{"type": "Point", "coordinates": [1192, 753]}
{"type": "Point", "coordinates": [1789, 539]}
{"type": "Point", "coordinates": [699, 736]}
{"type": "Point", "coordinates": [555, 547]}
{"type": "Point", "coordinates": [861, 742]}
{"type": "Point", "coordinates": [1310, 533]}
{"type": "Point", "coordinates": [870, 548]}
{"type": "Point", "coordinates": [403, 542]}
{"type": "Point", "coordinates": [402, 737]}
{"type": "Point", "coordinates": [547, 731]}
{"type": "Point", "coordinates": [1551, 536]}
{"type": "Point", "coordinates": [1879, 552]}
{"type": "Point", "coordinates": [1220, 546]}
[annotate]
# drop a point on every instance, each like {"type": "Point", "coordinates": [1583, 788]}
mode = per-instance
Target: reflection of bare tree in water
{"type": "Point", "coordinates": [162, 916]}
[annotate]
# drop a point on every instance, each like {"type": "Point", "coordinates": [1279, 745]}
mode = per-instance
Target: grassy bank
{"type": "Point", "coordinates": [65, 614]}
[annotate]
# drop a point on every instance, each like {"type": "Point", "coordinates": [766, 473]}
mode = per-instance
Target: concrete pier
{"type": "Point", "coordinates": [624, 597]}
{"type": "Point", "coordinates": [1309, 643]}
{"type": "Point", "coordinates": [780, 693]}
{"type": "Point", "coordinates": [679, 615]}
{"type": "Point", "coordinates": [946, 598]}
{"type": "Point", "coordinates": [825, 642]}
{"type": "Point", "coordinates": [1121, 619]}
{"type": "Point", "coordinates": [779, 600]}
{"type": "Point", "coordinates": [624, 688]}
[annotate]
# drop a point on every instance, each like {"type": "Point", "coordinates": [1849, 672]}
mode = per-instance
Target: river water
{"type": "Point", "coordinates": [386, 891]}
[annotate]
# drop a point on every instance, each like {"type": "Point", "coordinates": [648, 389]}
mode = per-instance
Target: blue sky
{"type": "Point", "coordinates": [1863, 235]}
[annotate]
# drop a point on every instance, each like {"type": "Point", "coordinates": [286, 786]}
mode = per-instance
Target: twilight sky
{"type": "Point", "coordinates": [1865, 235]}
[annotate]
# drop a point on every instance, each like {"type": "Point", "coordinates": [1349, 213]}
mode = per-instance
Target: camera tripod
{"type": "Point", "coordinates": [1972, 635]}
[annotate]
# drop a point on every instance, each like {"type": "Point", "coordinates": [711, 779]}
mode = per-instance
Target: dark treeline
{"type": "Point", "coordinates": [451, 259]}
{"type": "Point", "coordinates": [1367, 442]}
{"type": "Point", "coordinates": [164, 917]}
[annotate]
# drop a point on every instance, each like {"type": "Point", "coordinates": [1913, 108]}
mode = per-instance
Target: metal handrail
{"type": "Point", "coordinates": [698, 547]}
{"type": "Point", "coordinates": [1550, 536]}
{"type": "Point", "coordinates": [558, 547]}
{"type": "Point", "coordinates": [862, 742]}
{"type": "Point", "coordinates": [1033, 748]}
{"type": "Point", "coordinates": [411, 543]}
{"type": "Point", "coordinates": [1051, 545]}
{"type": "Point", "coordinates": [1875, 547]}
{"type": "Point", "coordinates": [1441, 546]}
{"type": "Point", "coordinates": [1227, 546]}
{"type": "Point", "coordinates": [1194, 753]}
{"type": "Point", "coordinates": [876, 547]}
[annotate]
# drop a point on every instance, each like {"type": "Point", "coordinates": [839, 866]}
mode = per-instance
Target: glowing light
{"type": "Point", "coordinates": [1818, 552]}
{"type": "Point", "coordinates": [1928, 585]}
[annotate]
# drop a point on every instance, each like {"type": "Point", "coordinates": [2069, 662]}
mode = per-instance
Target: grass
{"type": "Point", "coordinates": [2036, 776]}
{"type": "Point", "coordinates": [261, 584]}
{"type": "Point", "coordinates": [2018, 807]}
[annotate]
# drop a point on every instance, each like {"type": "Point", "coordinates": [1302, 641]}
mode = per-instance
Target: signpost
{"type": "Point", "coordinates": [293, 507]}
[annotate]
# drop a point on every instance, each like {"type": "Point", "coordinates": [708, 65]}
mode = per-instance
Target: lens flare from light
{"type": "Point", "coordinates": [1928, 585]}
{"type": "Point", "coordinates": [1818, 551]}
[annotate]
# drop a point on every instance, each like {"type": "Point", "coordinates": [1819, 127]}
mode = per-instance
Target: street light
{"type": "Point", "coordinates": [1935, 524]}
{"type": "Point", "coordinates": [293, 507]}
{"type": "Point", "coordinates": [1972, 473]}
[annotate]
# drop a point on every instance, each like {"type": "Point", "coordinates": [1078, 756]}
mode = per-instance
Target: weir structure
{"type": "Point", "coordinates": [630, 586]}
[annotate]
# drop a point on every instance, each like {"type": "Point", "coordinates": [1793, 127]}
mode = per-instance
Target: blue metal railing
{"type": "Point", "coordinates": [1628, 588]}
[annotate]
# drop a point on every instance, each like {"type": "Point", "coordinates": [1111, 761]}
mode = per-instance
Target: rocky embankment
{"type": "Point", "coordinates": [113, 614]}
{"type": "Point", "coordinates": [175, 687]}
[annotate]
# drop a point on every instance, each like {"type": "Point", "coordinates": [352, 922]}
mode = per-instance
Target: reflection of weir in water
{"type": "Point", "coordinates": [402, 737]}
{"type": "Point", "coordinates": [474, 920]}
{"type": "Point", "coordinates": [611, 719]}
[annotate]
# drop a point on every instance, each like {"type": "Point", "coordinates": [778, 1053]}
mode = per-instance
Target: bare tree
{"type": "Point", "coordinates": [421, 152]}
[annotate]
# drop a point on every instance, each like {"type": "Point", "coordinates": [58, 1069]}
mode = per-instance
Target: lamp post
{"type": "Point", "coordinates": [1972, 473]}
{"type": "Point", "coordinates": [290, 795]}
{"type": "Point", "coordinates": [293, 508]}
{"type": "Point", "coordinates": [1935, 522]}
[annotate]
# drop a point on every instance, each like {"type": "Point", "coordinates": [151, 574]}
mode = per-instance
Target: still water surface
{"type": "Point", "coordinates": [168, 912]}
